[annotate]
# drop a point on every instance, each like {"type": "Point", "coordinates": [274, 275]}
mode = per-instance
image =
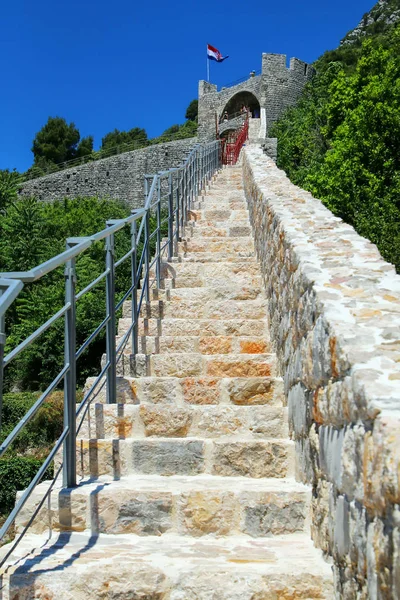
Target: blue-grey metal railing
{"type": "Point", "coordinates": [169, 196]}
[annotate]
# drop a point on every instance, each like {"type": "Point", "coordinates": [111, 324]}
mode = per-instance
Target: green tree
{"type": "Point", "coordinates": [192, 110]}
{"type": "Point", "coordinates": [342, 140]}
{"type": "Point", "coordinates": [118, 138]}
{"type": "Point", "coordinates": [85, 146]}
{"type": "Point", "coordinates": [9, 181]}
{"type": "Point", "coordinates": [56, 142]}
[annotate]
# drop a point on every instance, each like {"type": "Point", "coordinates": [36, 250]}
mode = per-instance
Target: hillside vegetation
{"type": "Point", "coordinates": [342, 140]}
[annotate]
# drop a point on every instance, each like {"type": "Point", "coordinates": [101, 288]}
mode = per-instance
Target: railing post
{"type": "Point", "coordinates": [170, 217]}
{"type": "Point", "coordinates": [69, 466]}
{"type": "Point", "coordinates": [2, 345]}
{"type": "Point", "coordinates": [111, 324]}
{"type": "Point", "coordinates": [134, 334]}
{"type": "Point", "coordinates": [184, 196]}
{"type": "Point", "coordinates": [178, 208]}
{"type": "Point", "coordinates": [147, 255]}
{"type": "Point", "coordinates": [158, 244]}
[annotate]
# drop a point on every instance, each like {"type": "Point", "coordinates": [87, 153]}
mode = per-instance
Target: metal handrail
{"type": "Point", "coordinates": [176, 189]}
{"type": "Point", "coordinates": [241, 80]}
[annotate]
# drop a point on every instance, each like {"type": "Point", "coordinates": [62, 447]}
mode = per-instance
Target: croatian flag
{"type": "Point", "coordinates": [214, 54]}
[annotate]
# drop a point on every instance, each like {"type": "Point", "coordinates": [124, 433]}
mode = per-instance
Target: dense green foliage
{"type": "Point", "coordinates": [342, 140]}
{"type": "Point", "coordinates": [192, 110]}
{"type": "Point", "coordinates": [117, 138]}
{"type": "Point", "coordinates": [58, 142]}
{"type": "Point", "coordinates": [38, 231]}
{"type": "Point", "coordinates": [22, 461]}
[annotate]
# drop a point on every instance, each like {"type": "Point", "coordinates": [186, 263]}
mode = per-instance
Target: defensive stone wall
{"type": "Point", "coordinates": [117, 177]}
{"type": "Point", "coordinates": [334, 307]}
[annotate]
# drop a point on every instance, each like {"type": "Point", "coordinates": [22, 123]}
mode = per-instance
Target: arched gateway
{"type": "Point", "coordinates": [266, 95]}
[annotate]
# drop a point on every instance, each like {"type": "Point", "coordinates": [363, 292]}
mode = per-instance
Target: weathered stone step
{"type": "Point", "coordinates": [209, 203]}
{"type": "Point", "coordinates": [197, 365]}
{"type": "Point", "coordinates": [203, 345]}
{"type": "Point", "coordinates": [197, 296]}
{"type": "Point", "coordinates": [203, 309]}
{"type": "Point", "coordinates": [176, 391]}
{"type": "Point", "coordinates": [198, 327]}
{"type": "Point", "coordinates": [171, 567]}
{"type": "Point", "coordinates": [222, 246]}
{"type": "Point", "coordinates": [189, 506]}
{"type": "Point", "coordinates": [217, 216]}
{"type": "Point", "coordinates": [213, 257]}
{"type": "Point", "coordinates": [239, 229]}
{"type": "Point", "coordinates": [181, 275]}
{"type": "Point", "coordinates": [120, 421]}
{"type": "Point", "coordinates": [227, 457]}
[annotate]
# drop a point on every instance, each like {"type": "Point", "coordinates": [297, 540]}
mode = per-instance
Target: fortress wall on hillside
{"type": "Point", "coordinates": [334, 307]}
{"type": "Point", "coordinates": [118, 177]}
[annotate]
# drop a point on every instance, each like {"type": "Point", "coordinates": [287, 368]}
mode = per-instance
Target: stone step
{"type": "Point", "coordinates": [212, 274]}
{"type": "Point", "coordinates": [213, 257]}
{"type": "Point", "coordinates": [239, 229]}
{"type": "Point", "coordinates": [203, 345]}
{"type": "Point", "coordinates": [218, 308]}
{"type": "Point", "coordinates": [199, 295]}
{"type": "Point", "coordinates": [197, 365]}
{"type": "Point", "coordinates": [222, 246]}
{"type": "Point", "coordinates": [226, 457]}
{"type": "Point", "coordinates": [77, 566]}
{"type": "Point", "coordinates": [188, 506]}
{"type": "Point", "coordinates": [217, 216]}
{"type": "Point", "coordinates": [199, 327]}
{"type": "Point", "coordinates": [120, 421]}
{"type": "Point", "coordinates": [242, 268]}
{"type": "Point", "coordinates": [181, 391]}
{"type": "Point", "coordinates": [209, 203]}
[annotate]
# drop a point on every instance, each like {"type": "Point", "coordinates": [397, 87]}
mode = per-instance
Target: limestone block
{"type": "Point", "coordinates": [379, 566]}
{"type": "Point", "coordinates": [141, 513]}
{"type": "Point", "coordinates": [168, 457]}
{"type": "Point", "coordinates": [300, 413]}
{"type": "Point", "coordinates": [215, 345]}
{"type": "Point", "coordinates": [251, 459]}
{"type": "Point", "coordinates": [331, 444]}
{"type": "Point", "coordinates": [165, 421]}
{"type": "Point", "coordinates": [382, 464]}
{"type": "Point", "coordinates": [252, 391]}
{"type": "Point", "coordinates": [221, 420]}
{"type": "Point", "coordinates": [243, 367]}
{"type": "Point", "coordinates": [206, 513]}
{"type": "Point", "coordinates": [201, 390]}
{"type": "Point", "coordinates": [275, 514]}
{"type": "Point", "coordinates": [156, 390]}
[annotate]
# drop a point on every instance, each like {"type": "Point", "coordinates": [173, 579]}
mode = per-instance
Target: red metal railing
{"type": "Point", "coordinates": [231, 147]}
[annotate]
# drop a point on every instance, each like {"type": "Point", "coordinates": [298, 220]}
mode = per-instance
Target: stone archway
{"type": "Point", "coordinates": [236, 103]}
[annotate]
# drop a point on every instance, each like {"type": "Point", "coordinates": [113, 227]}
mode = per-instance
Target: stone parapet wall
{"type": "Point", "coordinates": [334, 307]}
{"type": "Point", "coordinates": [118, 177]}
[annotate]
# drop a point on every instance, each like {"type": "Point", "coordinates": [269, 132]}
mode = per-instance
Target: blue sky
{"type": "Point", "coordinates": [123, 64]}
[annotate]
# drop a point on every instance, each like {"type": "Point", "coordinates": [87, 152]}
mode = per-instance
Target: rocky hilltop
{"type": "Point", "coordinates": [384, 14]}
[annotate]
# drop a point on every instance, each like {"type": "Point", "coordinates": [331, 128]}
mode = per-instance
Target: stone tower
{"type": "Point", "coordinates": [267, 95]}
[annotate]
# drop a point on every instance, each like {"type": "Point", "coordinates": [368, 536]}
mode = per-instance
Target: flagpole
{"type": "Point", "coordinates": [208, 69]}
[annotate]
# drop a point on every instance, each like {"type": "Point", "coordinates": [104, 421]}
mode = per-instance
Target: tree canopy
{"type": "Point", "coordinates": [117, 137]}
{"type": "Point", "coordinates": [342, 140]}
{"type": "Point", "coordinates": [58, 142]}
{"type": "Point", "coordinates": [192, 110]}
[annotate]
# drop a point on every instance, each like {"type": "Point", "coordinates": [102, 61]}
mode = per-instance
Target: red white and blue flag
{"type": "Point", "coordinates": [214, 54]}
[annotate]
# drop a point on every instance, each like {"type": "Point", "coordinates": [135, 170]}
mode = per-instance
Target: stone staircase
{"type": "Point", "coordinates": [187, 485]}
